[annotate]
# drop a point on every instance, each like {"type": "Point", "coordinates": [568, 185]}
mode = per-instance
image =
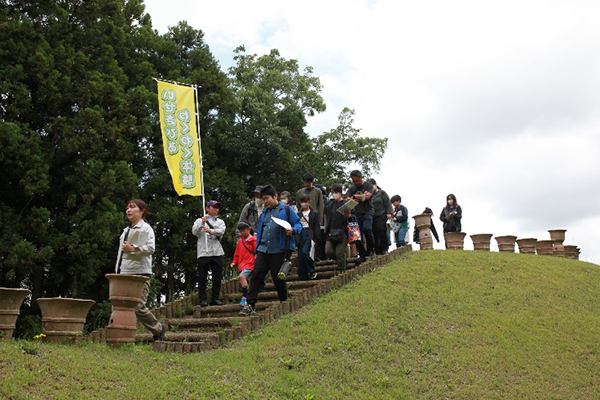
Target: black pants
{"type": "Point", "coordinates": [262, 265]}
{"type": "Point", "coordinates": [380, 233]}
{"type": "Point", "coordinates": [366, 245]}
{"type": "Point", "coordinates": [214, 264]}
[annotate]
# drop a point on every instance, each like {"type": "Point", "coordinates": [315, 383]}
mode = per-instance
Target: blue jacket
{"type": "Point", "coordinates": [294, 220]}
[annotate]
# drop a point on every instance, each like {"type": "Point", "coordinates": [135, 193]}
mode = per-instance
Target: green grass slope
{"type": "Point", "coordinates": [432, 325]}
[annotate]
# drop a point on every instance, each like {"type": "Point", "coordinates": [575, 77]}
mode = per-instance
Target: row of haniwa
{"type": "Point", "coordinates": [506, 244]}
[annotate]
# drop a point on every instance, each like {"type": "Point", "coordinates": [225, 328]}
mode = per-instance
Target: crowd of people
{"type": "Point", "coordinates": [319, 225]}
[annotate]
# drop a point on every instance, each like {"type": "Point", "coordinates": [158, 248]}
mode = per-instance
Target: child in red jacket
{"type": "Point", "coordinates": [244, 257]}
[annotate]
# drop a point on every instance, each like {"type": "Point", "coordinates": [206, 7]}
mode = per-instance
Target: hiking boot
{"type": "Point", "coordinates": [243, 302]}
{"type": "Point", "coordinates": [247, 310]}
{"type": "Point", "coordinates": [160, 336]}
{"type": "Point", "coordinates": [216, 303]}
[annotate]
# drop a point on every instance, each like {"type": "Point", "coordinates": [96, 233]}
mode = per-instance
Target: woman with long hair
{"type": "Point", "coordinates": [451, 215]}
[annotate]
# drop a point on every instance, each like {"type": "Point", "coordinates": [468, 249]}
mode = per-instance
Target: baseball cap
{"type": "Point", "coordinates": [214, 203]}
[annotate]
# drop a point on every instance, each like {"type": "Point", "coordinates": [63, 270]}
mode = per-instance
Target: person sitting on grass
{"type": "Point", "coordinates": [244, 257]}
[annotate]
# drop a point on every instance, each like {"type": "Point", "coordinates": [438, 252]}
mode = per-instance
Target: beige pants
{"type": "Point", "coordinates": [145, 316]}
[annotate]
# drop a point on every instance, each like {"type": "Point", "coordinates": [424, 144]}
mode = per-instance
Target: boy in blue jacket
{"type": "Point", "coordinates": [272, 243]}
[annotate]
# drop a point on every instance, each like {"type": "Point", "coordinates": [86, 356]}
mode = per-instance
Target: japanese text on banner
{"type": "Point", "coordinates": [180, 137]}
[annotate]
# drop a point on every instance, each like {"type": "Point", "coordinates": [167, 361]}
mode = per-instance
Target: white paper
{"type": "Point", "coordinates": [282, 223]}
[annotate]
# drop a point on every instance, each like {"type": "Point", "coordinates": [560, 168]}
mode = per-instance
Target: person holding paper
{"type": "Point", "coordinates": [135, 258]}
{"type": "Point", "coordinates": [272, 242]}
{"type": "Point", "coordinates": [307, 239]}
{"type": "Point", "coordinates": [361, 191]}
{"type": "Point", "coordinates": [210, 230]}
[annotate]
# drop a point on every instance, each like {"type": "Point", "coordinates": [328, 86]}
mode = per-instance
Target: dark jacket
{"type": "Point", "coordinates": [313, 224]}
{"type": "Point", "coordinates": [250, 215]}
{"type": "Point", "coordinates": [335, 220]}
{"type": "Point", "coordinates": [381, 203]}
{"type": "Point", "coordinates": [451, 223]}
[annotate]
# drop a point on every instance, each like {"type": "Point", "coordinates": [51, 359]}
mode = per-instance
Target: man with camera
{"type": "Point", "coordinates": [272, 244]}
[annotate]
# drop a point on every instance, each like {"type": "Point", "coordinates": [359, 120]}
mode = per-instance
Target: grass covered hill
{"type": "Point", "coordinates": [431, 325]}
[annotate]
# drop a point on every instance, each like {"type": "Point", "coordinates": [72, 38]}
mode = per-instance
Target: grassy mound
{"type": "Point", "coordinates": [437, 324]}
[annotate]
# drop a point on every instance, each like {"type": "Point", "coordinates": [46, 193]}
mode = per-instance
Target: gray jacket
{"type": "Point", "coordinates": [209, 244]}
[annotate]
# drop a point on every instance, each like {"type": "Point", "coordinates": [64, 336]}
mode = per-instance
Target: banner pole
{"type": "Point", "coordinates": [201, 159]}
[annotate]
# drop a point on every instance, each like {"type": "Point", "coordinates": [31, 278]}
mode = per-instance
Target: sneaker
{"type": "Point", "coordinates": [161, 336]}
{"type": "Point", "coordinates": [243, 302]}
{"type": "Point", "coordinates": [216, 303]}
{"type": "Point", "coordinates": [247, 310]}
{"type": "Point", "coordinates": [203, 303]}
{"type": "Point", "coordinates": [312, 276]}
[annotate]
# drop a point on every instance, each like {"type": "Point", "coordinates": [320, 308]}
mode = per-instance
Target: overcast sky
{"type": "Point", "coordinates": [496, 102]}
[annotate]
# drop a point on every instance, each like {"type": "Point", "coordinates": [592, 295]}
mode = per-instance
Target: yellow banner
{"type": "Point", "coordinates": [180, 137]}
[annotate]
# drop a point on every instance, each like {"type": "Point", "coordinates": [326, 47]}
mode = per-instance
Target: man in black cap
{"type": "Point", "coordinates": [210, 230]}
{"type": "Point", "coordinates": [252, 211]}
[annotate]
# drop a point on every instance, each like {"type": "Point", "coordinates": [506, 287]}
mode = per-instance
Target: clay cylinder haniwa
{"type": "Point", "coordinates": [455, 240]}
{"type": "Point", "coordinates": [125, 292]}
{"type": "Point", "coordinates": [481, 241]}
{"type": "Point", "coordinates": [527, 246]}
{"type": "Point", "coordinates": [558, 237]}
{"type": "Point", "coordinates": [10, 303]}
{"type": "Point", "coordinates": [506, 244]}
{"type": "Point", "coordinates": [422, 221]}
{"type": "Point", "coordinates": [571, 252]}
{"type": "Point", "coordinates": [425, 239]}
{"type": "Point", "coordinates": [63, 318]}
{"type": "Point", "coordinates": [544, 247]}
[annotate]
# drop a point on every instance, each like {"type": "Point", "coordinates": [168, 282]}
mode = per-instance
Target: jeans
{"type": "Point", "coordinates": [306, 265]}
{"type": "Point", "coordinates": [262, 265]}
{"type": "Point", "coordinates": [401, 237]}
{"type": "Point", "coordinates": [365, 222]}
{"type": "Point", "coordinates": [215, 264]}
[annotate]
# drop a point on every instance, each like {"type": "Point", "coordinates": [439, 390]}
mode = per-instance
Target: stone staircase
{"type": "Point", "coordinates": [192, 329]}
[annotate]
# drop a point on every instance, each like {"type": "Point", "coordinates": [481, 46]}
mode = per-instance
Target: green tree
{"type": "Point", "coordinates": [343, 148]}
{"type": "Point", "coordinates": [273, 98]}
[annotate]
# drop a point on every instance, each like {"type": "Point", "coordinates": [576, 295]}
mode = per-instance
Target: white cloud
{"type": "Point", "coordinates": [495, 102]}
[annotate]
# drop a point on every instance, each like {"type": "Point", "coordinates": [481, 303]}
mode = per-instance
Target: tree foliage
{"type": "Point", "coordinates": [79, 136]}
{"type": "Point", "coordinates": [343, 148]}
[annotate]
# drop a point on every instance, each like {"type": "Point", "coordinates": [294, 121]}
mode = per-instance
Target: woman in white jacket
{"type": "Point", "coordinates": [135, 258]}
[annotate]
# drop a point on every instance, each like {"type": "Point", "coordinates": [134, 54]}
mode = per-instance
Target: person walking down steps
{"type": "Point", "coordinates": [244, 257]}
{"type": "Point", "coordinates": [272, 242]}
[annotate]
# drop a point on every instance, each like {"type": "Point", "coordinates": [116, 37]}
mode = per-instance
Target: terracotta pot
{"type": "Point", "coordinates": [481, 241]}
{"type": "Point", "coordinates": [422, 221]}
{"type": "Point", "coordinates": [10, 303]}
{"type": "Point", "coordinates": [506, 244]}
{"type": "Point", "coordinates": [544, 247]}
{"type": "Point", "coordinates": [125, 292]}
{"type": "Point", "coordinates": [558, 237]}
{"type": "Point", "coordinates": [455, 240]}
{"type": "Point", "coordinates": [527, 246]}
{"type": "Point", "coordinates": [63, 318]}
{"type": "Point", "coordinates": [425, 239]}
{"type": "Point", "coordinates": [571, 252]}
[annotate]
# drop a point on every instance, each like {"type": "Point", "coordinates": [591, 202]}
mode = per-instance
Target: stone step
{"type": "Point", "coordinates": [227, 310]}
{"type": "Point", "coordinates": [294, 285]}
{"type": "Point", "coordinates": [268, 295]}
{"type": "Point", "coordinates": [208, 324]}
{"type": "Point", "coordinates": [181, 337]}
